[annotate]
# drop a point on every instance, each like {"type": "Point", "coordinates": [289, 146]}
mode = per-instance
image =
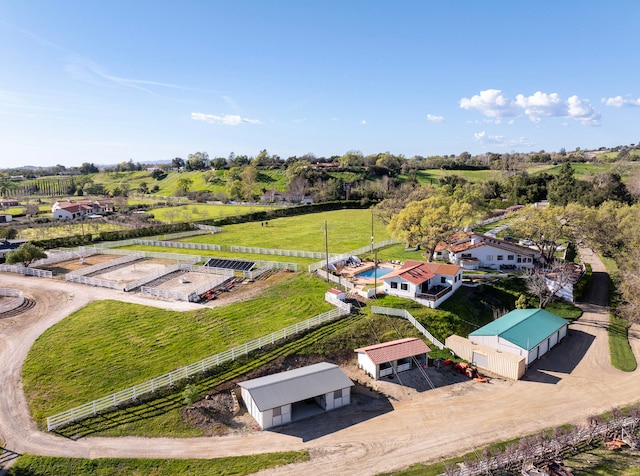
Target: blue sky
{"type": "Point", "coordinates": [105, 82]}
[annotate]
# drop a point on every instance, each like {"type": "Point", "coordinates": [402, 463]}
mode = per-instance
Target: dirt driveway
{"type": "Point", "coordinates": [572, 382]}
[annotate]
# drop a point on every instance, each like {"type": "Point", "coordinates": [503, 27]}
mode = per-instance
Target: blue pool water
{"type": "Point", "coordinates": [379, 272]}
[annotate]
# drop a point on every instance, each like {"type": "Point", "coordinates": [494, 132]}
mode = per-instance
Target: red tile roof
{"type": "Point", "coordinates": [394, 350]}
{"type": "Point", "coordinates": [417, 272]}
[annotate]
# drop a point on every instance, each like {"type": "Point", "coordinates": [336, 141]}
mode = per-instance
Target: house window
{"type": "Point", "coordinates": [277, 411]}
{"type": "Point", "coordinates": [394, 285]}
{"type": "Point", "coordinates": [337, 394]}
{"type": "Point", "coordinates": [510, 257]}
{"type": "Point", "coordinates": [528, 260]}
{"type": "Point", "coordinates": [443, 280]}
{"type": "Point", "coordinates": [404, 286]}
{"type": "Point", "coordinates": [489, 257]}
{"type": "Point", "coordinates": [500, 257]}
{"type": "Point", "coordinates": [519, 259]}
{"type": "Point", "coordinates": [466, 255]}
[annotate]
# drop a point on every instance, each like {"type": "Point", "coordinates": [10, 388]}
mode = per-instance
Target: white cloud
{"type": "Point", "coordinates": [581, 110]}
{"type": "Point", "coordinates": [434, 118]}
{"type": "Point", "coordinates": [227, 120]}
{"type": "Point", "coordinates": [363, 122]}
{"type": "Point", "coordinates": [619, 101]}
{"type": "Point", "coordinates": [490, 103]}
{"type": "Point", "coordinates": [493, 104]}
{"type": "Point", "coordinates": [541, 105]}
{"type": "Point", "coordinates": [501, 141]}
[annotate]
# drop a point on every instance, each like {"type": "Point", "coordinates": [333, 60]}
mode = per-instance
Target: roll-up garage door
{"type": "Point", "coordinates": [480, 360]}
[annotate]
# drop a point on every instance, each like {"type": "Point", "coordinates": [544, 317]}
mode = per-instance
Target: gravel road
{"type": "Point", "coordinates": [575, 380]}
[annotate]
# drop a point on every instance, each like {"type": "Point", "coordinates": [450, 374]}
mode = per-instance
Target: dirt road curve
{"type": "Point", "coordinates": [573, 381]}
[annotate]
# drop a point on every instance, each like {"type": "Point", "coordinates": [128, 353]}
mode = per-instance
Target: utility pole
{"type": "Point", "coordinates": [375, 261]}
{"type": "Point", "coordinates": [326, 248]}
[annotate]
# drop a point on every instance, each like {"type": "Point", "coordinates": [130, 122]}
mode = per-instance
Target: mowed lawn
{"type": "Point", "coordinates": [109, 345]}
{"type": "Point", "coordinates": [346, 230]}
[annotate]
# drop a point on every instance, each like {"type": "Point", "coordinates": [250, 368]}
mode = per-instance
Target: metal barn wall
{"type": "Point", "coordinates": [500, 363]}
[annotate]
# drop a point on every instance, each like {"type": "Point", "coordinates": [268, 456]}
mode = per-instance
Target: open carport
{"type": "Point", "coordinates": [295, 394]}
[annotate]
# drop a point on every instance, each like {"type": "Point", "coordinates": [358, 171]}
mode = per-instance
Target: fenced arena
{"type": "Point", "coordinates": [10, 299]}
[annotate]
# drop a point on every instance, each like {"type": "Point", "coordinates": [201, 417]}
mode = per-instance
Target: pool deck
{"type": "Point", "coordinates": [350, 273]}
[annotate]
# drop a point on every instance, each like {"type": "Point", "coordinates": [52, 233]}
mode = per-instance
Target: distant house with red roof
{"type": "Point", "coordinates": [70, 210]}
{"type": "Point", "coordinates": [388, 358]}
{"type": "Point", "coordinates": [430, 284]}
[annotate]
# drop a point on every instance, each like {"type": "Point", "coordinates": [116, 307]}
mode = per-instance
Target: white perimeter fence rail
{"type": "Point", "coordinates": [365, 249]}
{"type": "Point", "coordinates": [14, 303]}
{"type": "Point", "coordinates": [152, 254]}
{"type": "Point", "coordinates": [39, 273]}
{"type": "Point", "coordinates": [277, 252]}
{"type": "Point", "coordinates": [63, 256]}
{"type": "Point", "coordinates": [210, 228]}
{"type": "Point", "coordinates": [132, 393]}
{"type": "Point", "coordinates": [97, 282]}
{"type": "Point", "coordinates": [179, 244]}
{"type": "Point", "coordinates": [336, 279]}
{"type": "Point", "coordinates": [390, 311]}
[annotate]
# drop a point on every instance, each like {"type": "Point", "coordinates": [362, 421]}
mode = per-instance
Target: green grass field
{"type": "Point", "coordinates": [203, 211]}
{"type": "Point", "coordinates": [237, 465]}
{"type": "Point", "coordinates": [347, 230]}
{"type": "Point", "coordinates": [117, 345]}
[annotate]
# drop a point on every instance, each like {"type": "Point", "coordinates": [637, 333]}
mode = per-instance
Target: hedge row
{"type": "Point", "coordinates": [81, 240]}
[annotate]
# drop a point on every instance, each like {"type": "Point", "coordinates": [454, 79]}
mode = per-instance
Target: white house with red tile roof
{"type": "Point", "coordinates": [69, 210]}
{"type": "Point", "coordinates": [380, 360]}
{"type": "Point", "coordinates": [482, 251]}
{"type": "Point", "coordinates": [430, 284]}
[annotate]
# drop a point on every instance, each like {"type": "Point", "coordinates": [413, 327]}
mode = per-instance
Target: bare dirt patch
{"type": "Point", "coordinates": [69, 266]}
{"type": "Point", "coordinates": [189, 281]}
{"type": "Point", "coordinates": [135, 270]}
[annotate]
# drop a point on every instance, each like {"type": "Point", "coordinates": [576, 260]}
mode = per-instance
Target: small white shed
{"type": "Point", "coordinates": [288, 396]}
{"type": "Point", "coordinates": [388, 358]}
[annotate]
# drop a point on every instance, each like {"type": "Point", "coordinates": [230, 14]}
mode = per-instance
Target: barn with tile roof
{"type": "Point", "coordinates": [388, 358]}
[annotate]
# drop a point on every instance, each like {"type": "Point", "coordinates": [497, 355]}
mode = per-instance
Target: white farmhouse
{"type": "Point", "coordinates": [430, 284]}
{"type": "Point", "coordinates": [482, 251]}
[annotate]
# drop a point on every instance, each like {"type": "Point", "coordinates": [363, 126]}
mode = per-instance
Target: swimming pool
{"type": "Point", "coordinates": [379, 272]}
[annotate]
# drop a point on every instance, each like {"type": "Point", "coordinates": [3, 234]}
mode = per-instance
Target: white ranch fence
{"type": "Point", "coordinates": [107, 264]}
{"type": "Point", "coordinates": [365, 249]}
{"type": "Point", "coordinates": [336, 279]}
{"type": "Point", "coordinates": [390, 311]}
{"type": "Point", "coordinates": [279, 252]}
{"type": "Point", "coordinates": [97, 282]}
{"type": "Point", "coordinates": [132, 393]}
{"type": "Point", "coordinates": [210, 228]}
{"type": "Point", "coordinates": [38, 273]}
{"type": "Point", "coordinates": [14, 303]}
{"type": "Point", "coordinates": [178, 244]}
{"type": "Point", "coordinates": [58, 257]}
